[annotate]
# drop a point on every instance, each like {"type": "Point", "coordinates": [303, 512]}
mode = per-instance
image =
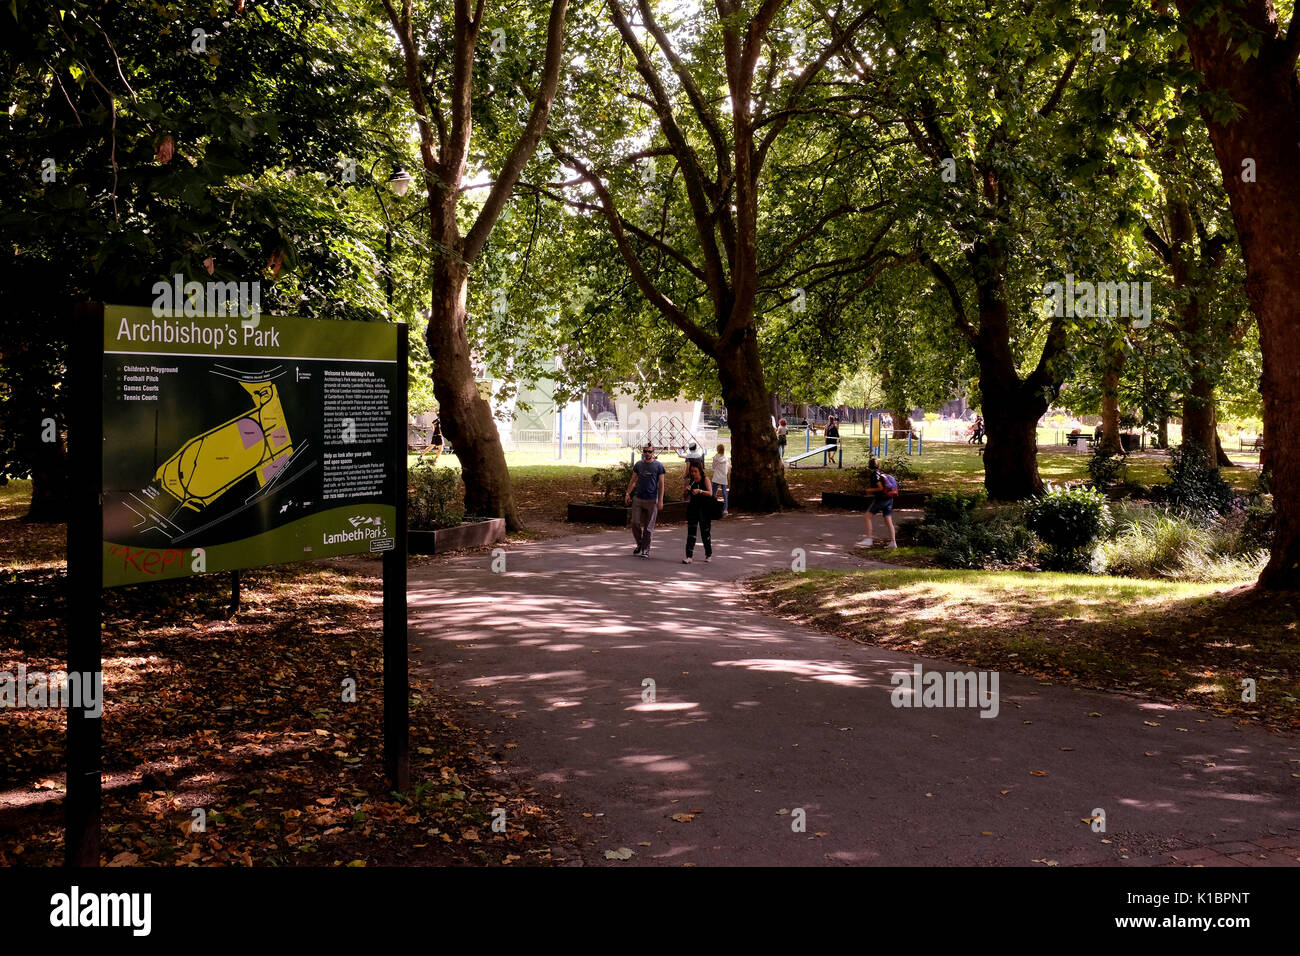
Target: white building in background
{"type": "Point", "coordinates": [534, 417]}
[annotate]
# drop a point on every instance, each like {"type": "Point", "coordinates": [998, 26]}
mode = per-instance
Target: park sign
{"type": "Point", "coordinates": [233, 443]}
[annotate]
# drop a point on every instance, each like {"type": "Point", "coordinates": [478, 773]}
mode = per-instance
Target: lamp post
{"type": "Point", "coordinates": [399, 182]}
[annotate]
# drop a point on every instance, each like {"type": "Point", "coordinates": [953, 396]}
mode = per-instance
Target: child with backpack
{"type": "Point", "coordinates": [885, 488]}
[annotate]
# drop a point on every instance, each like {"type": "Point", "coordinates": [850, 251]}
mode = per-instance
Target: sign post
{"type": "Point", "coordinates": [85, 577]}
{"type": "Point", "coordinates": [210, 443]}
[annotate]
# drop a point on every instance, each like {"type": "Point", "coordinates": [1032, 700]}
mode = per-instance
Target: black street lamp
{"type": "Point", "coordinates": [399, 182]}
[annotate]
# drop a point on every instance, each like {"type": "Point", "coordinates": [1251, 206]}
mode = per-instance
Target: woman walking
{"type": "Point", "coordinates": [699, 502]}
{"type": "Point", "coordinates": [882, 504]}
{"type": "Point", "coordinates": [782, 429]}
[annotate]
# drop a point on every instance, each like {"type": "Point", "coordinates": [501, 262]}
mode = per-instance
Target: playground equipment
{"type": "Point", "coordinates": [669, 433]}
{"type": "Point", "coordinates": [876, 436]}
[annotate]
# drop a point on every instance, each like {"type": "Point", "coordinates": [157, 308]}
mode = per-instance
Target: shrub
{"type": "Point", "coordinates": [998, 542]}
{"type": "Point", "coordinates": [953, 506]}
{"type": "Point", "coordinates": [1068, 521]}
{"type": "Point", "coordinates": [1257, 528]}
{"type": "Point", "coordinates": [1194, 488]}
{"type": "Point", "coordinates": [612, 481]}
{"type": "Point", "coordinates": [1105, 468]}
{"type": "Point", "coordinates": [1153, 542]}
{"type": "Point", "coordinates": [900, 466]}
{"type": "Point", "coordinates": [897, 465]}
{"type": "Point", "coordinates": [434, 498]}
{"type": "Point", "coordinates": [964, 537]}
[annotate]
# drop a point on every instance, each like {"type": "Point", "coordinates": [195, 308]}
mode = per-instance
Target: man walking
{"type": "Point", "coordinates": [647, 482]}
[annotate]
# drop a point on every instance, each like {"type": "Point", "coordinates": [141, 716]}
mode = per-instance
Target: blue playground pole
{"type": "Point", "coordinates": [909, 444]}
{"type": "Point", "coordinates": [807, 437]}
{"type": "Point", "coordinates": [920, 445]}
{"type": "Point", "coordinates": [582, 404]}
{"type": "Point", "coordinates": [559, 433]}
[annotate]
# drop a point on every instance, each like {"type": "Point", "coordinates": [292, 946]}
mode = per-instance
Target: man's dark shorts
{"type": "Point", "coordinates": [883, 505]}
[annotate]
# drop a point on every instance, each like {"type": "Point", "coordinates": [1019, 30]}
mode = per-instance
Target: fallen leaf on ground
{"type": "Point", "coordinates": [622, 853]}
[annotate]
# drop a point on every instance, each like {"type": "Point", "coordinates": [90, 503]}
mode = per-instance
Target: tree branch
{"type": "Point", "coordinates": [531, 135]}
{"type": "Point", "coordinates": [1061, 84]}
{"type": "Point", "coordinates": [669, 309]}
{"type": "Point", "coordinates": [954, 295]}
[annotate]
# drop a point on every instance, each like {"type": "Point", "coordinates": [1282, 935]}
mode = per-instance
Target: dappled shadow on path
{"type": "Point", "coordinates": [643, 689]}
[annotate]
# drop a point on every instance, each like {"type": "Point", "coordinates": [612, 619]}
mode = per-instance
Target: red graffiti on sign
{"type": "Point", "coordinates": [145, 560]}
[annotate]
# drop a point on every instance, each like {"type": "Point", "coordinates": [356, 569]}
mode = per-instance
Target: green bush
{"type": "Point", "coordinates": [1257, 527]}
{"type": "Point", "coordinates": [612, 481]}
{"type": "Point", "coordinates": [1105, 468]}
{"type": "Point", "coordinates": [897, 465]}
{"type": "Point", "coordinates": [434, 499]}
{"type": "Point", "coordinates": [1194, 488]}
{"type": "Point", "coordinates": [1068, 521]}
{"type": "Point", "coordinates": [1158, 543]}
{"type": "Point", "coordinates": [900, 466]}
{"type": "Point", "coordinates": [953, 506]}
{"type": "Point", "coordinates": [981, 545]}
{"type": "Point", "coordinates": [967, 538]}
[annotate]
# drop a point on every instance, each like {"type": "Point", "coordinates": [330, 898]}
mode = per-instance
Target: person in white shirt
{"type": "Point", "coordinates": [722, 475]}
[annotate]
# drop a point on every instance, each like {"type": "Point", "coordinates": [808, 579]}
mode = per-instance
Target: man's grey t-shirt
{"type": "Point", "coordinates": [647, 478]}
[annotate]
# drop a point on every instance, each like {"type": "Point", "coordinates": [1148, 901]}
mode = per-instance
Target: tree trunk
{"type": "Point", "coordinates": [466, 417]}
{"type": "Point", "coordinates": [1110, 440]}
{"type": "Point", "coordinates": [1221, 458]}
{"type": "Point", "coordinates": [1011, 456]}
{"type": "Point", "coordinates": [902, 423]}
{"type": "Point", "coordinates": [757, 474]}
{"type": "Point", "coordinates": [1264, 140]}
{"type": "Point", "coordinates": [1198, 416]}
{"type": "Point", "coordinates": [1011, 406]}
{"type": "Point", "coordinates": [1162, 431]}
{"type": "Point", "coordinates": [49, 489]}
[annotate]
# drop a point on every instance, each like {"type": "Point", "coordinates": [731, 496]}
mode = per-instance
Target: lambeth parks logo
{"type": "Point", "coordinates": [1126, 300]}
{"type": "Point", "coordinates": [362, 528]}
{"type": "Point", "coordinates": [946, 689]}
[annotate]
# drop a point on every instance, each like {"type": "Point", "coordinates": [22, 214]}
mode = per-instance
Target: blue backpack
{"type": "Point", "coordinates": [891, 485]}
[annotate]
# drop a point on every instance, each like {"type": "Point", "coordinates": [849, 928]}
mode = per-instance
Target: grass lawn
{"type": "Point", "coordinates": [952, 466]}
{"type": "Point", "coordinates": [1187, 641]}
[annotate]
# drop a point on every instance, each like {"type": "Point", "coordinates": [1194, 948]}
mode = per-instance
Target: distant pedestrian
{"type": "Point", "coordinates": [648, 483]}
{"type": "Point", "coordinates": [882, 504]}
{"type": "Point", "coordinates": [699, 511]}
{"type": "Point", "coordinates": [832, 438]}
{"type": "Point", "coordinates": [782, 430]}
{"type": "Point", "coordinates": [722, 477]}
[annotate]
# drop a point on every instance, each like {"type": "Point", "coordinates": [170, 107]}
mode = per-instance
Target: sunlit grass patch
{"type": "Point", "coordinates": [1183, 639]}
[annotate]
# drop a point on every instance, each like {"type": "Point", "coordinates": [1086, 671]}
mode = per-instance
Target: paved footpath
{"type": "Point", "coordinates": [755, 719]}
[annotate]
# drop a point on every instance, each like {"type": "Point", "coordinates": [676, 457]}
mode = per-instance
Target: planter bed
{"type": "Point", "coordinates": [470, 534]}
{"type": "Point", "coordinates": [618, 514]}
{"type": "Point", "coordinates": [851, 501]}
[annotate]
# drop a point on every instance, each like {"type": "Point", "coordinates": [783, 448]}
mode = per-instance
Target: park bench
{"type": "Point", "coordinates": [1256, 445]}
